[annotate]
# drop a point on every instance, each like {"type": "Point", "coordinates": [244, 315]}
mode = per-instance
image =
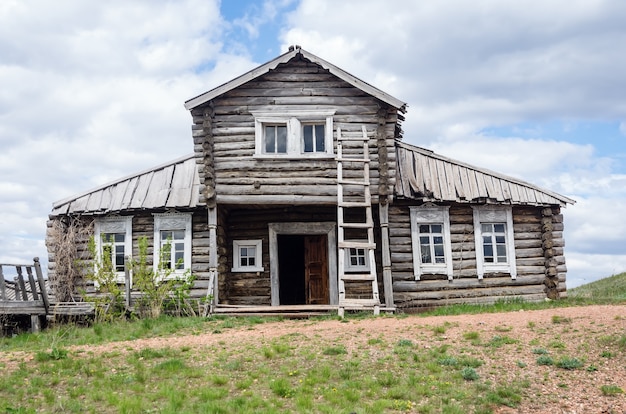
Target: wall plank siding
{"type": "Point", "coordinates": [465, 286]}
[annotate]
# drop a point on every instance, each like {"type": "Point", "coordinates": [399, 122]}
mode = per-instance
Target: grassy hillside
{"type": "Point", "coordinates": [611, 288]}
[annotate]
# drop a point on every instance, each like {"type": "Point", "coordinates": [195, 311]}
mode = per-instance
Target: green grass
{"type": "Point", "coordinates": [607, 290]}
{"type": "Point", "coordinates": [419, 371]}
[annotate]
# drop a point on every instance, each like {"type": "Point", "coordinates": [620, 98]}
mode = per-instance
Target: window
{"type": "Point", "coordinates": [357, 260]}
{"type": "Point", "coordinates": [430, 239]}
{"type": "Point", "coordinates": [493, 233]}
{"type": "Point", "coordinates": [172, 242]}
{"type": "Point", "coordinates": [113, 237]}
{"type": "Point", "coordinates": [294, 134]}
{"type": "Point", "coordinates": [247, 256]}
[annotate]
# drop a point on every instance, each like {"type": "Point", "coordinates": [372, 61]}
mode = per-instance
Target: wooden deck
{"type": "Point", "coordinates": [24, 291]}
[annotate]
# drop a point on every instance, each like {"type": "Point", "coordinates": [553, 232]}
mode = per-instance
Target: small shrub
{"type": "Point", "coordinates": [282, 388]}
{"type": "Point", "coordinates": [545, 360]}
{"type": "Point", "coordinates": [569, 363]}
{"type": "Point", "coordinates": [469, 374]}
{"type": "Point", "coordinates": [540, 351]}
{"type": "Point", "coordinates": [521, 364]}
{"type": "Point", "coordinates": [561, 319]}
{"type": "Point", "coordinates": [448, 361]}
{"type": "Point", "coordinates": [471, 336]}
{"type": "Point", "coordinates": [405, 342]}
{"type": "Point", "coordinates": [611, 390]}
{"type": "Point", "coordinates": [335, 350]}
{"type": "Point", "coordinates": [55, 354]}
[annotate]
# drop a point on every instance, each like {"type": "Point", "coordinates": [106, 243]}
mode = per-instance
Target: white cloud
{"type": "Point", "coordinates": [90, 92]}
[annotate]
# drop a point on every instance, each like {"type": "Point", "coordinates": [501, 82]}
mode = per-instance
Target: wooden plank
{"type": "Point", "coordinates": [182, 185]}
{"type": "Point", "coordinates": [127, 198]}
{"type": "Point", "coordinates": [31, 282]}
{"type": "Point", "coordinates": [158, 189]}
{"type": "Point", "coordinates": [3, 292]}
{"type": "Point", "coordinates": [457, 183]}
{"type": "Point", "coordinates": [141, 191]}
{"type": "Point", "coordinates": [20, 284]}
{"type": "Point", "coordinates": [42, 284]}
{"type": "Point", "coordinates": [117, 195]}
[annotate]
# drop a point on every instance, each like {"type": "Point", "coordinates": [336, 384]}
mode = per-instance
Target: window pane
{"type": "Point", "coordinates": [424, 228]}
{"type": "Point", "coordinates": [436, 228]}
{"type": "Point", "coordinates": [307, 136]}
{"type": "Point", "coordinates": [270, 139]}
{"type": "Point", "coordinates": [486, 228]}
{"type": "Point", "coordinates": [251, 261]}
{"type": "Point", "coordinates": [501, 249]}
{"type": "Point", "coordinates": [425, 251]}
{"type": "Point", "coordinates": [178, 235]}
{"type": "Point", "coordinates": [499, 228]}
{"type": "Point", "coordinates": [281, 139]}
{"type": "Point", "coordinates": [438, 240]}
{"type": "Point", "coordinates": [166, 235]}
{"type": "Point", "coordinates": [438, 250]}
{"type": "Point", "coordinates": [319, 138]}
{"type": "Point", "coordinates": [119, 237]}
{"type": "Point", "coordinates": [500, 239]}
{"type": "Point", "coordinates": [488, 252]}
{"type": "Point", "coordinates": [251, 251]}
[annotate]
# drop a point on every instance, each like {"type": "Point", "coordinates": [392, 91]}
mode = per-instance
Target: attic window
{"type": "Point", "coordinates": [294, 134]}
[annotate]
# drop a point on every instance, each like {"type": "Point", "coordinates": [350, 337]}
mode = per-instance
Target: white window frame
{"type": "Point", "coordinates": [237, 245]}
{"type": "Point", "coordinates": [172, 222]}
{"type": "Point", "coordinates": [491, 215]}
{"type": "Point", "coordinates": [117, 225]}
{"type": "Point", "coordinates": [349, 267]}
{"type": "Point", "coordinates": [294, 120]}
{"type": "Point", "coordinates": [431, 214]}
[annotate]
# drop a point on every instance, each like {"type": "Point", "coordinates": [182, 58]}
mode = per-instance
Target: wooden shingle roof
{"type": "Point", "coordinates": [171, 185]}
{"type": "Point", "coordinates": [284, 58]}
{"type": "Point", "coordinates": [427, 176]}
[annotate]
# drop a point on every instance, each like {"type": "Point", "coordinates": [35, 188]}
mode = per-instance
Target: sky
{"type": "Point", "coordinates": [93, 91]}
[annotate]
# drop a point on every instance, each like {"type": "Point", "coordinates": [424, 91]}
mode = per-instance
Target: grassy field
{"type": "Point", "coordinates": [234, 369]}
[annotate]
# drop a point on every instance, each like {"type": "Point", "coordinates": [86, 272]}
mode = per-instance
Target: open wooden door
{"type": "Point", "coordinates": [316, 269]}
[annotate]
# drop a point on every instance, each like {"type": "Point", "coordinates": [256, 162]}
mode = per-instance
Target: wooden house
{"type": "Point", "coordinates": [301, 193]}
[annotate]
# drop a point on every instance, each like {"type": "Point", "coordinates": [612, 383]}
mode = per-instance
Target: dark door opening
{"type": "Point", "coordinates": [303, 269]}
{"type": "Point", "coordinates": [291, 269]}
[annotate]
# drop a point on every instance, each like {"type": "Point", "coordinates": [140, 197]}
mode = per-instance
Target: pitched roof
{"type": "Point", "coordinates": [284, 58]}
{"type": "Point", "coordinates": [427, 176]}
{"type": "Point", "coordinates": [171, 185]}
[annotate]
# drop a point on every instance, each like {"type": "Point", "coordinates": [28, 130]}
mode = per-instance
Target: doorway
{"type": "Point", "coordinates": [303, 263]}
{"type": "Point", "coordinates": [303, 269]}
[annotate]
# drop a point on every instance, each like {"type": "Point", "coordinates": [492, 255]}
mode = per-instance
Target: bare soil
{"type": "Point", "coordinates": [590, 334]}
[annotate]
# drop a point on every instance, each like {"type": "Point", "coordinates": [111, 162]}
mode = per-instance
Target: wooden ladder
{"type": "Point", "coordinates": [355, 226]}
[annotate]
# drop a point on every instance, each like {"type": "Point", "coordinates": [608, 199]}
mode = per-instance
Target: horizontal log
{"type": "Point", "coordinates": [455, 284]}
{"type": "Point", "coordinates": [410, 303]}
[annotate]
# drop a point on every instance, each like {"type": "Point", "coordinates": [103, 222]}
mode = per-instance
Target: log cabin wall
{"type": "Point", "coordinates": [224, 138]}
{"type": "Point", "coordinates": [253, 288]}
{"type": "Point", "coordinates": [538, 238]}
{"type": "Point", "coordinates": [142, 225]}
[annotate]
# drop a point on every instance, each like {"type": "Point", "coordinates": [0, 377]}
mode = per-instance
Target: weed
{"type": "Point", "coordinates": [282, 388]}
{"type": "Point", "coordinates": [545, 360]}
{"type": "Point", "coordinates": [405, 342]}
{"type": "Point", "coordinates": [335, 350]}
{"type": "Point", "coordinates": [607, 354]}
{"type": "Point", "coordinates": [611, 390]}
{"type": "Point", "coordinates": [469, 374]}
{"type": "Point", "coordinates": [501, 328]}
{"type": "Point", "coordinates": [471, 336]}
{"type": "Point", "coordinates": [560, 319]}
{"type": "Point", "coordinates": [569, 363]}
{"type": "Point", "coordinates": [540, 351]}
{"type": "Point", "coordinates": [521, 364]}
{"type": "Point", "coordinates": [498, 341]}
{"type": "Point", "coordinates": [54, 355]}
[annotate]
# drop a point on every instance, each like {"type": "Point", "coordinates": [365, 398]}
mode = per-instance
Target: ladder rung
{"type": "Point", "coordinates": [364, 277]}
{"type": "Point", "coordinates": [356, 245]}
{"type": "Point", "coordinates": [353, 138]}
{"type": "Point", "coordinates": [343, 159]}
{"type": "Point", "coordinates": [354, 204]}
{"type": "Point", "coordinates": [351, 182]}
{"type": "Point", "coordinates": [357, 225]}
